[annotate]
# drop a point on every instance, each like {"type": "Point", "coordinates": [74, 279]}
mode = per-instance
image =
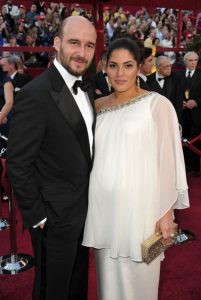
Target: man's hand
{"type": "Point", "coordinates": [98, 92]}
{"type": "Point", "coordinates": [190, 104]}
{"type": "Point", "coordinates": [42, 226]}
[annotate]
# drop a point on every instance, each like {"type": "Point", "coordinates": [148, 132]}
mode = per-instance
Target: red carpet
{"type": "Point", "coordinates": [180, 274]}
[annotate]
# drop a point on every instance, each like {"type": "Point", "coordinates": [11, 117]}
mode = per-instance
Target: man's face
{"type": "Point", "coordinates": [191, 61]}
{"type": "Point", "coordinates": [75, 49]}
{"type": "Point", "coordinates": [6, 67]}
{"type": "Point", "coordinates": [147, 66]}
{"type": "Point", "coordinates": [165, 68]}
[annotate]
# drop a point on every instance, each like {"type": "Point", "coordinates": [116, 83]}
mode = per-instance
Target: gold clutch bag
{"type": "Point", "coordinates": [153, 246]}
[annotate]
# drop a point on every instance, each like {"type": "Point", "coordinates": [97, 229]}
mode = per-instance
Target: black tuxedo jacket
{"type": "Point", "coordinates": [194, 93]}
{"type": "Point", "coordinates": [143, 84]}
{"type": "Point", "coordinates": [19, 80]}
{"type": "Point", "coordinates": [49, 159]}
{"type": "Point", "coordinates": [99, 82]}
{"type": "Point", "coordinates": [171, 90]}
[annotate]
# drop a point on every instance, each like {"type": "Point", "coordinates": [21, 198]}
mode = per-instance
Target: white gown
{"type": "Point", "coordinates": [137, 176]}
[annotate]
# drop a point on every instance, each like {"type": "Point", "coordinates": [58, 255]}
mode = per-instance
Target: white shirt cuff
{"type": "Point", "coordinates": [40, 223]}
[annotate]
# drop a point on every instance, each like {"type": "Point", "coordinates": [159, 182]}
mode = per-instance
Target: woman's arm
{"type": "Point", "coordinates": [8, 95]}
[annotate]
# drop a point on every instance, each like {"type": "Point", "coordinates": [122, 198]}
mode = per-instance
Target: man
{"type": "Point", "coordinates": [9, 66]}
{"type": "Point", "coordinates": [50, 152]}
{"type": "Point", "coordinates": [167, 43]}
{"type": "Point", "coordinates": [145, 67]}
{"type": "Point", "coordinates": [11, 9]}
{"type": "Point", "coordinates": [166, 83]}
{"type": "Point", "coordinates": [101, 85]}
{"type": "Point", "coordinates": [191, 121]}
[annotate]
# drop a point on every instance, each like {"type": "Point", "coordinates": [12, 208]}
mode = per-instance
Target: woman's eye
{"type": "Point", "coordinates": [111, 66]}
{"type": "Point", "coordinates": [128, 66]}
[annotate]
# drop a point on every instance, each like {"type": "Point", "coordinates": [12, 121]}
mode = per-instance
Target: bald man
{"type": "Point", "coordinates": [50, 154]}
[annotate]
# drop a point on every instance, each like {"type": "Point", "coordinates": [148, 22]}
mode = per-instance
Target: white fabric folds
{"type": "Point", "coordinates": [138, 174]}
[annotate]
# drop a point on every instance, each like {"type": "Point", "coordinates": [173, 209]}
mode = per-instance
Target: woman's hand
{"type": "Point", "coordinates": [166, 226]}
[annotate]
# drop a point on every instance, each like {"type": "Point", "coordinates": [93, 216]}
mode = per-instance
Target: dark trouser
{"type": "Point", "coordinates": [61, 268]}
{"type": "Point", "coordinates": [190, 130]}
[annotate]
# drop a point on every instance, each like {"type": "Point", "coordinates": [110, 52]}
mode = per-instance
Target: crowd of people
{"type": "Point", "coordinates": [38, 23]}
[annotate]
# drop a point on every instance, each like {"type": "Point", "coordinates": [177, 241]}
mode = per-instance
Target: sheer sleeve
{"type": "Point", "coordinates": [173, 189]}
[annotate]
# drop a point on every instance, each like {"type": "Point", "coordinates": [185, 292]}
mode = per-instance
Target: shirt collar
{"type": "Point", "coordinates": [192, 72]}
{"type": "Point", "coordinates": [158, 76]}
{"type": "Point", "coordinates": [144, 78]}
{"type": "Point", "coordinates": [67, 77]}
{"type": "Point", "coordinates": [13, 75]}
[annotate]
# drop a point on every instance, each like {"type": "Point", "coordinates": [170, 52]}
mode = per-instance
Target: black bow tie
{"type": "Point", "coordinates": [105, 74]}
{"type": "Point", "coordinates": [83, 84]}
{"type": "Point", "coordinates": [161, 78]}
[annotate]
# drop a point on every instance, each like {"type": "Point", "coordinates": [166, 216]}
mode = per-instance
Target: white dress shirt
{"type": "Point", "coordinates": [160, 82]}
{"type": "Point", "coordinates": [191, 72]}
{"type": "Point", "coordinates": [143, 77]}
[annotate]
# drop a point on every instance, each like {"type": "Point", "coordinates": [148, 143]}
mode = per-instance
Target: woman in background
{"type": "Point", "coordinates": [6, 104]}
{"type": "Point", "coordinates": [138, 178]}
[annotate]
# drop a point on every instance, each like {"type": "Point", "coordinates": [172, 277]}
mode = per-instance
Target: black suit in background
{"type": "Point", "coordinates": [191, 118]}
{"type": "Point", "coordinates": [49, 172]}
{"type": "Point", "coordinates": [99, 82]}
{"type": "Point", "coordinates": [171, 90]}
{"type": "Point", "coordinates": [19, 80]}
{"type": "Point", "coordinates": [143, 84]}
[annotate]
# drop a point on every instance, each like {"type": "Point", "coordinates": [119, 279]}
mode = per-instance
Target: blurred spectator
{"type": "Point", "coordinates": [40, 7]}
{"type": "Point", "coordinates": [149, 41]}
{"type": "Point", "coordinates": [12, 42]}
{"type": "Point", "coordinates": [22, 13]}
{"type": "Point", "coordinates": [76, 11]}
{"type": "Point", "coordinates": [3, 30]}
{"type": "Point", "coordinates": [167, 43]}
{"type": "Point", "coordinates": [120, 13]}
{"type": "Point", "coordinates": [11, 9]}
{"type": "Point", "coordinates": [10, 67]}
{"type": "Point", "coordinates": [31, 15]}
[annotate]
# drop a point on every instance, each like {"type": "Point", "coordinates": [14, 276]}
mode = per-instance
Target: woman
{"type": "Point", "coordinates": [6, 103]}
{"type": "Point", "coordinates": [138, 178]}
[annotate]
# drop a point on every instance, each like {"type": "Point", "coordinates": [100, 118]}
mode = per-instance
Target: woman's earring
{"type": "Point", "coordinates": [138, 82]}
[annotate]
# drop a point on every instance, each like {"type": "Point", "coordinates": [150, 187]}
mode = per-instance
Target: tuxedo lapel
{"type": "Point", "coordinates": [168, 87]}
{"type": "Point", "coordinates": [70, 111]}
{"type": "Point", "coordinates": [194, 78]}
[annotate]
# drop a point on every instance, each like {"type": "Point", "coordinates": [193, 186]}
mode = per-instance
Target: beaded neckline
{"type": "Point", "coordinates": [132, 101]}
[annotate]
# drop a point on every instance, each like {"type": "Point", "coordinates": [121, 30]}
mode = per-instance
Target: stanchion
{"type": "Point", "coordinates": [4, 224]}
{"type": "Point", "coordinates": [14, 262]}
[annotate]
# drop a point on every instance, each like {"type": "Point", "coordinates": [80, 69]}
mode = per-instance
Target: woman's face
{"type": "Point", "coordinates": [122, 70]}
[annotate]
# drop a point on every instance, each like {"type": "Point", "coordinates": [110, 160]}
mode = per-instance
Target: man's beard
{"type": "Point", "coordinates": [73, 72]}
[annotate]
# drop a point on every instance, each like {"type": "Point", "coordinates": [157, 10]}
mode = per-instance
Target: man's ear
{"type": "Point", "coordinates": [57, 43]}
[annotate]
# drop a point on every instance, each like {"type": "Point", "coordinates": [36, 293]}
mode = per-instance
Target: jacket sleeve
{"type": "Point", "coordinates": [25, 138]}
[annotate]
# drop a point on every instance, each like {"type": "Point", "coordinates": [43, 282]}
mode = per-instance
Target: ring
{"type": "Point", "coordinates": [172, 234]}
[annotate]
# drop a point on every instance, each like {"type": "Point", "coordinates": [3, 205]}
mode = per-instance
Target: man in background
{"type": "Point", "coordinates": [145, 67]}
{"type": "Point", "coordinates": [9, 66]}
{"type": "Point", "coordinates": [101, 85]}
{"type": "Point", "coordinates": [166, 83]}
{"type": "Point", "coordinates": [191, 120]}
